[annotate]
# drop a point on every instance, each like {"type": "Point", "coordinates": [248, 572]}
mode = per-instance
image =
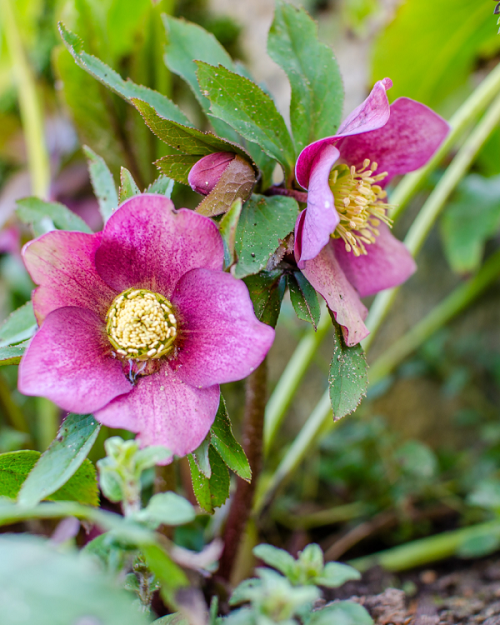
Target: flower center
{"type": "Point", "coordinates": [360, 204]}
{"type": "Point", "coordinates": [141, 324]}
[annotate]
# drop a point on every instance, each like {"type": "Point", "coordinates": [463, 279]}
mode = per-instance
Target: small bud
{"type": "Point", "coordinates": [207, 171]}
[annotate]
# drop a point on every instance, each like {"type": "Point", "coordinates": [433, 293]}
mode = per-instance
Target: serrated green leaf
{"type": "Point", "coordinates": [15, 467]}
{"type": "Point", "coordinates": [314, 75]}
{"type": "Point", "coordinates": [348, 377]}
{"type": "Point", "coordinates": [12, 354]}
{"type": "Point", "coordinates": [277, 558]}
{"type": "Point", "coordinates": [32, 210]}
{"type": "Point", "coordinates": [264, 222]}
{"type": "Point", "coordinates": [128, 186]}
{"type": "Point", "coordinates": [162, 185]}
{"type": "Point", "coordinates": [200, 455]}
{"type": "Point", "coordinates": [304, 298]}
{"type": "Point", "coordinates": [102, 183]}
{"type": "Point", "coordinates": [227, 228]}
{"type": "Point", "coordinates": [177, 166]}
{"type": "Point", "coordinates": [227, 446]}
{"type": "Point", "coordinates": [168, 509]}
{"type": "Point", "coordinates": [19, 326]}
{"type": "Point", "coordinates": [251, 112]}
{"type": "Point", "coordinates": [111, 79]}
{"type": "Point", "coordinates": [210, 493]}
{"type": "Point", "coordinates": [266, 290]}
{"type": "Point", "coordinates": [61, 460]}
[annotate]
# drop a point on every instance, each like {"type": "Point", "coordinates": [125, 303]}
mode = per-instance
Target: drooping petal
{"type": "Point", "coordinates": [313, 230]}
{"type": "Point", "coordinates": [62, 263]}
{"type": "Point", "coordinates": [221, 339]}
{"type": "Point", "coordinates": [373, 113]}
{"type": "Point", "coordinates": [406, 142]}
{"type": "Point", "coordinates": [148, 244]}
{"type": "Point", "coordinates": [164, 410]}
{"type": "Point", "coordinates": [387, 263]}
{"type": "Point", "coordinates": [69, 362]}
{"type": "Point", "coordinates": [327, 277]}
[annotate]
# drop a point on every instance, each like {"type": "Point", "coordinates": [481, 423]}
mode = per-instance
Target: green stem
{"type": "Point", "coordinates": [437, 318]}
{"type": "Point", "coordinates": [426, 550]}
{"type": "Point", "coordinates": [29, 104]}
{"type": "Point", "coordinates": [290, 379]}
{"type": "Point", "coordinates": [467, 113]}
{"type": "Point", "coordinates": [432, 208]}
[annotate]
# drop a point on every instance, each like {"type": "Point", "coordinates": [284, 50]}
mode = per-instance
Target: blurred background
{"type": "Point", "coordinates": [422, 453]}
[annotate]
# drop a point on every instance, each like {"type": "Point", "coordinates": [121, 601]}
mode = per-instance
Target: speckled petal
{"type": "Point", "coordinates": [327, 277]}
{"type": "Point", "coordinates": [150, 245]}
{"type": "Point", "coordinates": [164, 410]}
{"type": "Point", "coordinates": [69, 362]}
{"type": "Point", "coordinates": [313, 229]}
{"type": "Point", "coordinates": [387, 263]}
{"type": "Point", "coordinates": [62, 263]}
{"type": "Point", "coordinates": [406, 142]}
{"type": "Point", "coordinates": [222, 340]}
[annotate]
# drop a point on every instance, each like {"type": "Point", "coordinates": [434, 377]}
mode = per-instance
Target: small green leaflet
{"type": "Point", "coordinates": [304, 298]}
{"type": "Point", "coordinates": [19, 326]}
{"type": "Point", "coordinates": [32, 210]}
{"type": "Point", "coordinates": [314, 75]}
{"type": "Point", "coordinates": [227, 446]}
{"type": "Point", "coordinates": [251, 112]}
{"type": "Point", "coordinates": [162, 185]}
{"type": "Point", "coordinates": [227, 228]}
{"type": "Point", "coordinates": [267, 290]}
{"type": "Point", "coordinates": [102, 183]}
{"type": "Point", "coordinates": [128, 187]}
{"type": "Point", "coordinates": [348, 377]}
{"type": "Point", "coordinates": [210, 493]}
{"type": "Point", "coordinates": [263, 223]}
{"type": "Point", "coordinates": [16, 465]}
{"type": "Point", "coordinates": [12, 354]}
{"type": "Point", "coordinates": [61, 460]}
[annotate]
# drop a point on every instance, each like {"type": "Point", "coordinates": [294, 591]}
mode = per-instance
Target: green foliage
{"type": "Point", "coordinates": [227, 228]}
{"type": "Point", "coordinates": [264, 223]}
{"type": "Point", "coordinates": [162, 185]}
{"type": "Point", "coordinates": [102, 183]}
{"type": "Point", "coordinates": [19, 326]}
{"type": "Point", "coordinates": [228, 448]}
{"type": "Point", "coordinates": [12, 354]}
{"type": "Point", "coordinates": [167, 509]}
{"type": "Point", "coordinates": [177, 166]}
{"type": "Point", "coordinates": [210, 492]}
{"type": "Point", "coordinates": [128, 186]}
{"type": "Point", "coordinates": [62, 460]}
{"type": "Point", "coordinates": [317, 90]}
{"type": "Point", "coordinates": [471, 218]}
{"type": "Point", "coordinates": [60, 588]}
{"type": "Point", "coordinates": [340, 613]}
{"type": "Point", "coordinates": [348, 377]}
{"type": "Point", "coordinates": [15, 467]}
{"type": "Point", "coordinates": [304, 299]}
{"type": "Point", "coordinates": [44, 216]}
{"type": "Point", "coordinates": [267, 290]}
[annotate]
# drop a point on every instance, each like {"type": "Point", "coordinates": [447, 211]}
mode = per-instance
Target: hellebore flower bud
{"type": "Point", "coordinates": [207, 171]}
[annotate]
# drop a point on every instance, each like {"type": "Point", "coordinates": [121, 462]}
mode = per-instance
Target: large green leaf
{"type": "Point", "coordinates": [251, 112]}
{"type": "Point", "coordinates": [61, 460]}
{"type": "Point", "coordinates": [210, 492]}
{"type": "Point", "coordinates": [430, 48]}
{"type": "Point", "coordinates": [267, 289]}
{"type": "Point", "coordinates": [313, 72]}
{"type": "Point", "coordinates": [32, 210]}
{"type": "Point", "coordinates": [16, 465]}
{"type": "Point", "coordinates": [348, 378]}
{"type": "Point", "coordinates": [228, 448]}
{"type": "Point", "coordinates": [263, 223]}
{"type": "Point", "coordinates": [472, 217]}
{"type": "Point", "coordinates": [44, 585]}
{"type": "Point", "coordinates": [304, 298]}
{"type": "Point", "coordinates": [19, 326]}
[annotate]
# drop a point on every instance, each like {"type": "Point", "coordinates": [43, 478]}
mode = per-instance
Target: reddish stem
{"type": "Point", "coordinates": [241, 506]}
{"type": "Point", "coordinates": [300, 196]}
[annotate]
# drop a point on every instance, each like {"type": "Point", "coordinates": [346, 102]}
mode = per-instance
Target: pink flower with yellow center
{"type": "Point", "coordinates": [343, 243]}
{"type": "Point", "coordinates": [139, 324]}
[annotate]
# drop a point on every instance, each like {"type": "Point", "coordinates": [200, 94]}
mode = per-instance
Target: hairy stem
{"type": "Point", "coordinates": [241, 506]}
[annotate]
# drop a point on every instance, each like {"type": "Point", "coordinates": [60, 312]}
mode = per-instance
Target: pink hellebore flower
{"type": "Point", "coordinates": [139, 324]}
{"type": "Point", "coordinates": [342, 239]}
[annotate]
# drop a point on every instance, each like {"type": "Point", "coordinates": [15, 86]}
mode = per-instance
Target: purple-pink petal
{"type": "Point", "coordinates": [320, 220]}
{"type": "Point", "coordinates": [62, 263]}
{"type": "Point", "coordinates": [406, 142]}
{"type": "Point", "coordinates": [164, 410]}
{"type": "Point", "coordinates": [205, 174]}
{"type": "Point", "coordinates": [326, 276]}
{"type": "Point", "coordinates": [69, 362]}
{"type": "Point", "coordinates": [221, 339]}
{"type": "Point", "coordinates": [387, 263]}
{"type": "Point", "coordinates": [148, 244]}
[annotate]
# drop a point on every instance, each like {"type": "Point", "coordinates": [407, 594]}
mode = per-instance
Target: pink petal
{"type": "Point", "coordinates": [165, 411]}
{"type": "Point", "coordinates": [222, 340]}
{"type": "Point", "coordinates": [206, 173]}
{"type": "Point", "coordinates": [373, 113]}
{"type": "Point", "coordinates": [313, 230]}
{"type": "Point", "coordinates": [148, 244]}
{"type": "Point", "coordinates": [388, 263]}
{"type": "Point", "coordinates": [62, 263]}
{"type": "Point", "coordinates": [327, 277]}
{"type": "Point", "coordinates": [406, 142]}
{"type": "Point", "coordinates": [69, 362]}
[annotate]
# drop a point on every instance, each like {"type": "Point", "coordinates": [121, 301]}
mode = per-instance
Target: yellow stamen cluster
{"type": "Point", "coordinates": [141, 325]}
{"type": "Point", "coordinates": [359, 201]}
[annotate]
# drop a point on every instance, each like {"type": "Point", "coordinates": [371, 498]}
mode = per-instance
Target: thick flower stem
{"type": "Point", "coordinates": [241, 505]}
